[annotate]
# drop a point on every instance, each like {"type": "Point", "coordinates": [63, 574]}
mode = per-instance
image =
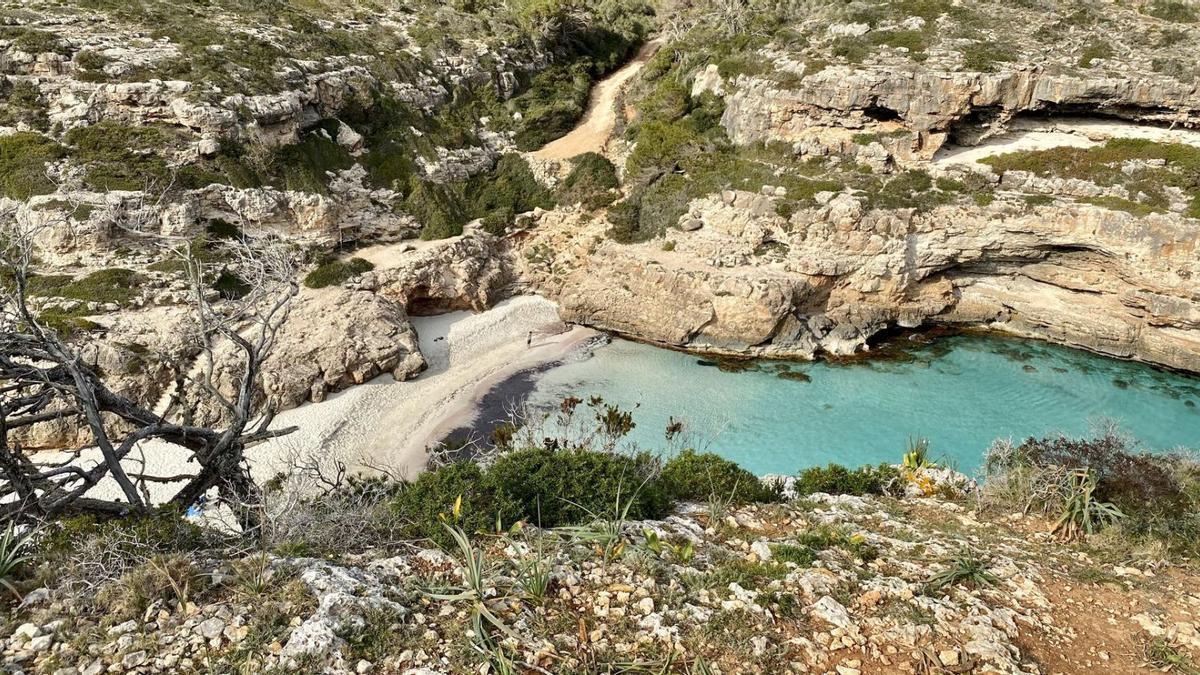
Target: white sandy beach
{"type": "Point", "coordinates": [388, 424]}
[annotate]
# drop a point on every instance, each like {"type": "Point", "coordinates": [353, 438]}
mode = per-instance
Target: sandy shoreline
{"type": "Point", "coordinates": [384, 425]}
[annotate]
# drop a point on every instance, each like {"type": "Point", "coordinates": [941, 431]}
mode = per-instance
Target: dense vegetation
{"type": "Point", "coordinates": [1142, 168]}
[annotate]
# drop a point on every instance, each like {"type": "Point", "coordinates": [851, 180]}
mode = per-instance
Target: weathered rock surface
{"type": "Point", "coordinates": [1102, 280]}
{"type": "Point", "coordinates": [337, 338]}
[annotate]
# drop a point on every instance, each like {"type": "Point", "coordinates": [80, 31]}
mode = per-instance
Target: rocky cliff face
{"type": "Point", "coordinates": [827, 279]}
{"type": "Point", "coordinates": [845, 212]}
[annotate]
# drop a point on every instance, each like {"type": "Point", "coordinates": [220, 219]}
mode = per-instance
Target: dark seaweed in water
{"type": "Point", "coordinates": [731, 364]}
{"type": "Point", "coordinates": [795, 375]}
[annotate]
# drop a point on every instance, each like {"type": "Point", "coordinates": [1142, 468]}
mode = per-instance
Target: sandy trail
{"type": "Point", "coordinates": [1077, 132]}
{"type": "Point", "coordinates": [592, 134]}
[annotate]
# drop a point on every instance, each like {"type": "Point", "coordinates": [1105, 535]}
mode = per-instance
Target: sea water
{"type": "Point", "coordinates": [961, 392]}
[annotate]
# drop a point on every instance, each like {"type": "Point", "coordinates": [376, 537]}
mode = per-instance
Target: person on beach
{"type": "Point", "coordinates": [529, 339]}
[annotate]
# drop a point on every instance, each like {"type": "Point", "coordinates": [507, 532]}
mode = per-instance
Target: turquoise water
{"type": "Point", "coordinates": [960, 392]}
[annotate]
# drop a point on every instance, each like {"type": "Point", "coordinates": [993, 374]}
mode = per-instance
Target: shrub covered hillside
{"type": "Point", "coordinates": [569, 558]}
{"type": "Point", "coordinates": [397, 104]}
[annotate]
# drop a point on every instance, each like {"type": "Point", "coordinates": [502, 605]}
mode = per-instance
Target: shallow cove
{"type": "Point", "coordinates": [961, 392]}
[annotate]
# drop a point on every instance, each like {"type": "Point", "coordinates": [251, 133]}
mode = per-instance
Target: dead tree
{"type": "Point", "coordinates": [43, 377]}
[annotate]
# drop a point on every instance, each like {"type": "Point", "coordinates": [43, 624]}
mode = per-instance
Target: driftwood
{"type": "Point", "coordinates": [43, 377]}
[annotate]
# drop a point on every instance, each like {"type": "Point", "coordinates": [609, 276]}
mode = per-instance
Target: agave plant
{"type": "Point", "coordinates": [12, 556]}
{"type": "Point", "coordinates": [917, 455]}
{"type": "Point", "coordinates": [1083, 514]}
{"type": "Point", "coordinates": [965, 568]}
{"type": "Point", "coordinates": [478, 579]}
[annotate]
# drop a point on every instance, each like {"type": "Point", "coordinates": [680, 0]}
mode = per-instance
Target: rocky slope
{"type": "Point", "coordinates": [822, 585]}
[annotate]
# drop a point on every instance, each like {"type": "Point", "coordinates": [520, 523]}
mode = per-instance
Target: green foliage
{"type": "Point", "coordinates": [916, 455]}
{"type": "Point", "coordinates": [1105, 166]}
{"type": "Point", "coordinates": [230, 286]}
{"type": "Point", "coordinates": [692, 476]}
{"type": "Point", "coordinates": [568, 486]}
{"type": "Point", "coordinates": [22, 102]}
{"type": "Point", "coordinates": [1095, 50]}
{"type": "Point", "coordinates": [850, 49]}
{"type": "Point", "coordinates": [550, 488]}
{"type": "Point", "coordinates": [115, 285]}
{"type": "Point", "coordinates": [441, 209]}
{"type": "Point", "coordinates": [591, 181]}
{"type": "Point", "coordinates": [33, 41]}
{"type": "Point", "coordinates": [23, 159]}
{"type": "Point", "coordinates": [120, 157]}
{"type": "Point", "coordinates": [425, 502]}
{"type": "Point", "coordinates": [804, 548]}
{"type": "Point", "coordinates": [305, 166]}
{"type": "Point", "coordinates": [1082, 513]}
{"type": "Point", "coordinates": [986, 57]}
{"type": "Point", "coordinates": [508, 189]}
{"type": "Point", "coordinates": [13, 554]}
{"type": "Point", "coordinates": [915, 41]}
{"type": "Point", "coordinates": [161, 531]}
{"type": "Point", "coordinates": [66, 324]}
{"type": "Point", "coordinates": [1176, 11]}
{"type": "Point", "coordinates": [965, 569]}
{"type": "Point", "coordinates": [836, 479]}
{"type": "Point", "coordinates": [337, 272]}
{"type": "Point", "coordinates": [496, 196]}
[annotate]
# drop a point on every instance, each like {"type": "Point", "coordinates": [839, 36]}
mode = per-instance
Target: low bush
{"type": "Point", "coordinates": [693, 476]}
{"type": "Point", "coordinates": [590, 182]}
{"type": "Point", "coordinates": [115, 284]}
{"type": "Point", "coordinates": [836, 479]}
{"type": "Point", "coordinates": [563, 487]}
{"type": "Point", "coordinates": [1143, 497]}
{"type": "Point", "coordinates": [1172, 10]}
{"type": "Point", "coordinates": [496, 196]}
{"type": "Point", "coordinates": [337, 272]}
{"type": "Point", "coordinates": [550, 488]}
{"type": "Point", "coordinates": [23, 159]}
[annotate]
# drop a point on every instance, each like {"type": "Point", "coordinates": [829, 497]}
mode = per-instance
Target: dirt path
{"type": "Point", "coordinates": [601, 117]}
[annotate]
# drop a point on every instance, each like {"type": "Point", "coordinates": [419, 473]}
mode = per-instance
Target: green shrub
{"type": "Point", "coordinates": [567, 487]}
{"type": "Point", "coordinates": [304, 166]}
{"type": "Point", "coordinates": [836, 479]}
{"type": "Point", "coordinates": [23, 159]}
{"type": "Point", "coordinates": [230, 286]}
{"type": "Point", "coordinates": [1171, 10]}
{"type": "Point", "coordinates": [913, 40]}
{"type": "Point", "coordinates": [1096, 50]}
{"type": "Point", "coordinates": [508, 189]}
{"type": "Point", "coordinates": [551, 488]}
{"type": "Point", "coordinates": [35, 41]}
{"type": "Point", "coordinates": [692, 476]}
{"type": "Point", "coordinates": [425, 501]}
{"type": "Point", "coordinates": [439, 208]}
{"type": "Point", "coordinates": [590, 182]}
{"type": "Point", "coordinates": [985, 57]}
{"type": "Point", "coordinates": [22, 102]}
{"type": "Point", "coordinates": [66, 324]}
{"type": "Point", "coordinates": [120, 157]}
{"type": "Point", "coordinates": [337, 272]}
{"type": "Point", "coordinates": [115, 285]}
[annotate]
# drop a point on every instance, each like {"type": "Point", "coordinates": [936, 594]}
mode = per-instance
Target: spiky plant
{"type": "Point", "coordinates": [916, 456]}
{"type": "Point", "coordinates": [965, 569]}
{"type": "Point", "coordinates": [12, 555]}
{"type": "Point", "coordinates": [1083, 514]}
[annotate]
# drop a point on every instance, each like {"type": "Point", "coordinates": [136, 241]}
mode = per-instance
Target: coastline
{"type": "Point", "coordinates": [384, 426]}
